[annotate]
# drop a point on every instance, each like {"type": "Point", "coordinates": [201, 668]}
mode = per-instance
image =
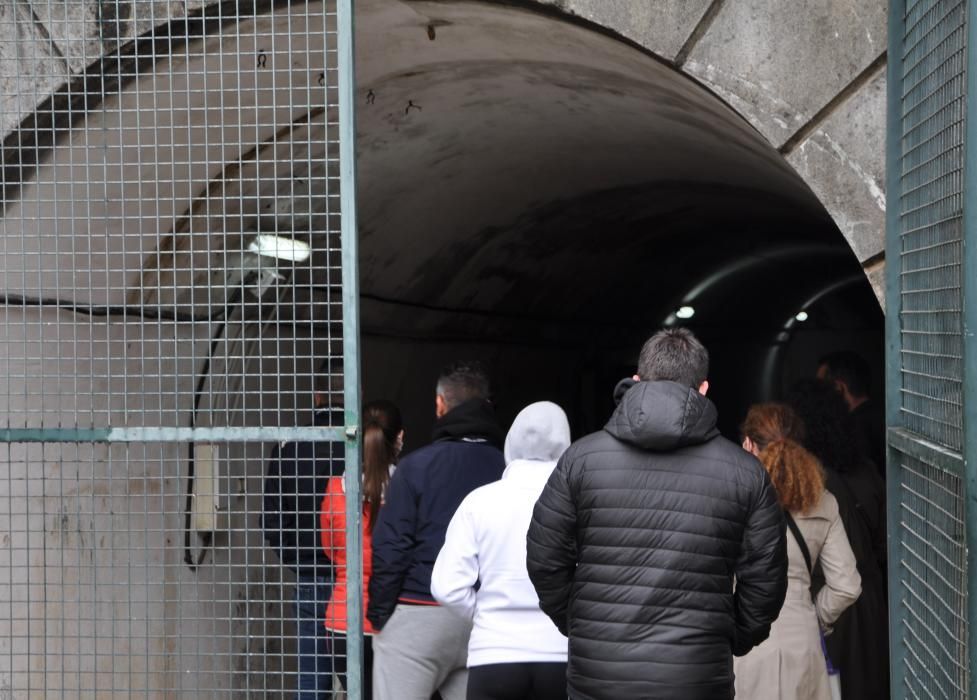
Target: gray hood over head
{"type": "Point", "coordinates": [661, 415]}
{"type": "Point", "coordinates": [540, 433]}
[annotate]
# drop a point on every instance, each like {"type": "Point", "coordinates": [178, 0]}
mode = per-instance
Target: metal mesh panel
{"type": "Point", "coordinates": [931, 223]}
{"type": "Point", "coordinates": [97, 601]}
{"type": "Point", "coordinates": [933, 580]}
{"type": "Point", "coordinates": [167, 235]}
{"type": "Point", "coordinates": [171, 313]}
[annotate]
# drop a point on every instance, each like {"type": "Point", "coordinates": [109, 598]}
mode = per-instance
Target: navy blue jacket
{"type": "Point", "coordinates": [298, 473]}
{"type": "Point", "coordinates": [422, 496]}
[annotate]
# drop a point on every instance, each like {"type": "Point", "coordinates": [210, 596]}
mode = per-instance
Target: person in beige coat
{"type": "Point", "coordinates": [790, 664]}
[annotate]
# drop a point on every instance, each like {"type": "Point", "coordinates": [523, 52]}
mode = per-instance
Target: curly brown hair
{"type": "Point", "coordinates": [796, 474]}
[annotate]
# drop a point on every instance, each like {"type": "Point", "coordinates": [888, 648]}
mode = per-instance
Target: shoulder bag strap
{"type": "Point", "coordinates": [800, 541]}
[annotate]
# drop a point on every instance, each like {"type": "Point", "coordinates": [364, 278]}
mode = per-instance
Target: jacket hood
{"type": "Point", "coordinates": [661, 416]}
{"type": "Point", "coordinates": [474, 421]}
{"type": "Point", "coordinates": [540, 433]}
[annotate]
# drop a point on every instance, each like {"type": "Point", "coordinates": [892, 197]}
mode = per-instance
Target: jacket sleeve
{"type": "Point", "coordinates": [551, 545]}
{"type": "Point", "coordinates": [761, 570]}
{"type": "Point", "coordinates": [278, 508]}
{"type": "Point", "coordinates": [332, 522]}
{"type": "Point", "coordinates": [842, 582]}
{"type": "Point", "coordinates": [456, 568]}
{"type": "Point", "coordinates": [394, 538]}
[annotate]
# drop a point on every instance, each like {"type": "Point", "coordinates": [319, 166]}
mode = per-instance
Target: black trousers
{"type": "Point", "coordinates": [339, 662]}
{"type": "Point", "coordinates": [527, 681]}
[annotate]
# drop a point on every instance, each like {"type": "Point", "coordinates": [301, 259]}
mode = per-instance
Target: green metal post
{"type": "Point", "coordinates": [351, 358]}
{"type": "Point", "coordinates": [893, 330]}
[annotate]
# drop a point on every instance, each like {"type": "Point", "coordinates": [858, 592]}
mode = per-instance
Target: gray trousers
{"type": "Point", "coordinates": [422, 648]}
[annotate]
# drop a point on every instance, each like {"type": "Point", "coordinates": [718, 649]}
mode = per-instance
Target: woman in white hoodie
{"type": "Point", "coordinates": [515, 652]}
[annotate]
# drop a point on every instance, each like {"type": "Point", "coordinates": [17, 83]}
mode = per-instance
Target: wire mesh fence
{"type": "Point", "coordinates": [174, 268]}
{"type": "Point", "coordinates": [927, 471]}
{"type": "Point", "coordinates": [931, 169]}
{"type": "Point", "coordinates": [933, 595]}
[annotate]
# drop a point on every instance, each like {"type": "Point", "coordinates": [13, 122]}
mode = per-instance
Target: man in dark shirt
{"type": "Point", "coordinates": [294, 486]}
{"type": "Point", "coordinates": [851, 376]}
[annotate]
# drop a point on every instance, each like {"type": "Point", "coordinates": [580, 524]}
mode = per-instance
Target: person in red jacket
{"type": "Point", "coordinates": [383, 438]}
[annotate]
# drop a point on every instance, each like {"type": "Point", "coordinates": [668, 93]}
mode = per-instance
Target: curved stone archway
{"type": "Point", "coordinates": [810, 77]}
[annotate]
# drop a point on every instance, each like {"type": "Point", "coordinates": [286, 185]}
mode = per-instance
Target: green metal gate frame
{"type": "Point", "coordinates": [349, 435]}
{"type": "Point", "coordinates": [931, 301]}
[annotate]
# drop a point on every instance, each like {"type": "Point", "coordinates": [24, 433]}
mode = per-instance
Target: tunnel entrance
{"type": "Point", "coordinates": [533, 192]}
{"type": "Point", "coordinates": [543, 195]}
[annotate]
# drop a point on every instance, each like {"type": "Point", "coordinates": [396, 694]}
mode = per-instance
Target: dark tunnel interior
{"type": "Point", "coordinates": [541, 196]}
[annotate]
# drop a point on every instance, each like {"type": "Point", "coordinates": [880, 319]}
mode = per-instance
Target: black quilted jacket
{"type": "Point", "coordinates": [635, 543]}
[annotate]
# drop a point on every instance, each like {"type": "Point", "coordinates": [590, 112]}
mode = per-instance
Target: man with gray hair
{"type": "Point", "coordinates": [658, 546]}
{"type": "Point", "coordinates": [420, 647]}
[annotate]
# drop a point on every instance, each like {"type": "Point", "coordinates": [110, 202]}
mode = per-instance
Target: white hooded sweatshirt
{"type": "Point", "coordinates": [486, 545]}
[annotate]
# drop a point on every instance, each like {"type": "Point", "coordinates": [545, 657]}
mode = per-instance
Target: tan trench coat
{"type": "Point", "coordinates": [790, 665]}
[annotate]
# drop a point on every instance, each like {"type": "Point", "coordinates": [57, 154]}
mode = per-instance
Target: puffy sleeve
{"type": "Point", "coordinates": [761, 570]}
{"type": "Point", "coordinates": [551, 544]}
{"type": "Point", "coordinates": [332, 519]}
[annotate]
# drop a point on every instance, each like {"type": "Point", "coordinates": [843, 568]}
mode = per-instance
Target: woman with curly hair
{"type": "Point", "coordinates": [791, 663]}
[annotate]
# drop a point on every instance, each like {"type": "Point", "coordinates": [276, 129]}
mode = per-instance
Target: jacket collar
{"type": "Point", "coordinates": [661, 416]}
{"type": "Point", "coordinates": [471, 421]}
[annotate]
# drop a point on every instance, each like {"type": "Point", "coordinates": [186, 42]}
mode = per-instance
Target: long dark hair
{"type": "Point", "coordinates": [381, 427]}
{"type": "Point", "coordinates": [829, 432]}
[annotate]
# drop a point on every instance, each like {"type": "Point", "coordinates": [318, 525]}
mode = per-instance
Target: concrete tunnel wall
{"type": "Point", "coordinates": [815, 95]}
{"type": "Point", "coordinates": [810, 77]}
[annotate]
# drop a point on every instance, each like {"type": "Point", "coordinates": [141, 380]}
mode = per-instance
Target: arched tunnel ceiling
{"type": "Point", "coordinates": [510, 163]}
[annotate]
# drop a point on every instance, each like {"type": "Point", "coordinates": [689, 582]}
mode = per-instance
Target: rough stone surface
{"type": "Point", "coordinates": [662, 26]}
{"type": "Point", "coordinates": [84, 31]}
{"type": "Point", "coordinates": [778, 63]}
{"type": "Point", "coordinates": [844, 164]}
{"type": "Point", "coordinates": [30, 68]}
{"type": "Point", "coordinates": [876, 277]}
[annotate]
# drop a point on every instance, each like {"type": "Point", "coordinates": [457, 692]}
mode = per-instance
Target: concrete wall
{"type": "Point", "coordinates": [810, 76]}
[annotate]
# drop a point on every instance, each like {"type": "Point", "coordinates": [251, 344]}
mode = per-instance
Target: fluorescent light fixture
{"type": "Point", "coordinates": [685, 312]}
{"type": "Point", "coordinates": [280, 247]}
{"type": "Point", "coordinates": [801, 316]}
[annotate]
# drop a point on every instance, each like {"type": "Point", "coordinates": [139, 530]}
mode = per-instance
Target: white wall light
{"type": "Point", "coordinates": [801, 316]}
{"type": "Point", "coordinates": [280, 247]}
{"type": "Point", "coordinates": [685, 312]}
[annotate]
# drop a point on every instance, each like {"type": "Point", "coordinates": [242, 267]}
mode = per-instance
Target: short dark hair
{"type": "Point", "coordinates": [676, 355]}
{"type": "Point", "coordinates": [462, 381]}
{"type": "Point", "coordinates": [850, 368]}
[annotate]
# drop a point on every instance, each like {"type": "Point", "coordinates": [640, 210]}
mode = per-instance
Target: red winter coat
{"type": "Point", "coordinates": [332, 520]}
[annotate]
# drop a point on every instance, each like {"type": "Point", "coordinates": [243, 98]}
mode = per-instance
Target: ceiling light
{"type": "Point", "coordinates": [685, 312]}
{"type": "Point", "coordinates": [801, 316]}
{"type": "Point", "coordinates": [280, 247]}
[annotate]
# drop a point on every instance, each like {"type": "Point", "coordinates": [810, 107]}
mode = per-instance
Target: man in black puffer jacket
{"type": "Point", "coordinates": [657, 545]}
